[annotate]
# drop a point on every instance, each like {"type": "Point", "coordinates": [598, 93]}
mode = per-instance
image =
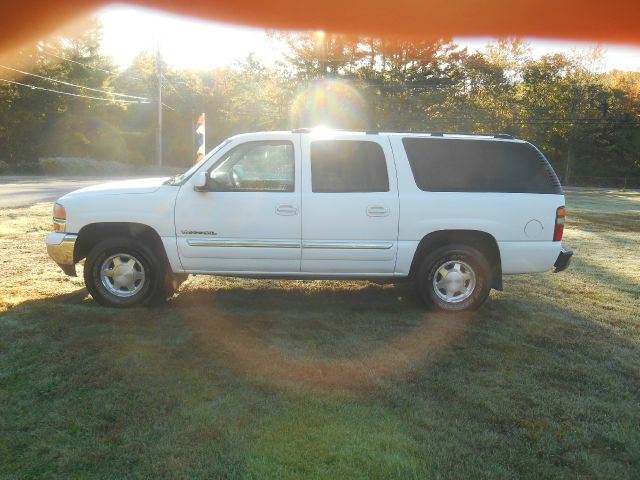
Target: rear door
{"type": "Point", "coordinates": [349, 205]}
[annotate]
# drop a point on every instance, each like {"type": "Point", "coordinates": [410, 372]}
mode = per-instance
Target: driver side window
{"type": "Point", "coordinates": [266, 166]}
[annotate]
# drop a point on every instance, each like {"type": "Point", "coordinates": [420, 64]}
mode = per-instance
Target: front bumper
{"type": "Point", "coordinates": [60, 247]}
{"type": "Point", "coordinates": [563, 261]}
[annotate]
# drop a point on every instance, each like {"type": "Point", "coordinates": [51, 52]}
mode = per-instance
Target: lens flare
{"type": "Point", "coordinates": [296, 308]}
{"type": "Point", "coordinates": [332, 103]}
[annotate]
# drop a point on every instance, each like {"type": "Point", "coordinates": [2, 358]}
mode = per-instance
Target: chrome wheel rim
{"type": "Point", "coordinates": [122, 275]}
{"type": "Point", "coordinates": [454, 281]}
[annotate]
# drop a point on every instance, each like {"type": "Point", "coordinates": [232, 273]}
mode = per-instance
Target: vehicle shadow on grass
{"type": "Point", "coordinates": [344, 336]}
{"type": "Point", "coordinates": [350, 337]}
{"type": "Point", "coordinates": [320, 336]}
{"type": "Point", "coordinates": [274, 369]}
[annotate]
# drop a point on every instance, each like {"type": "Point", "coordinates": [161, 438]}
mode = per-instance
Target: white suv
{"type": "Point", "coordinates": [454, 212]}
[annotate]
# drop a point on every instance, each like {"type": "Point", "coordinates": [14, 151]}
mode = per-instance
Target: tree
{"type": "Point", "coordinates": [586, 121]}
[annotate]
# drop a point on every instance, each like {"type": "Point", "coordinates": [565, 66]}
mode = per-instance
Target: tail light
{"type": "Point", "coordinates": [559, 228]}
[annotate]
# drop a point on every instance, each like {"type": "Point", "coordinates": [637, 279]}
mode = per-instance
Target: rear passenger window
{"type": "Point", "coordinates": [457, 165]}
{"type": "Point", "coordinates": [348, 166]}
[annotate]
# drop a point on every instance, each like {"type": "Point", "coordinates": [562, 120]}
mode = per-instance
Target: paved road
{"type": "Point", "coordinates": [22, 191]}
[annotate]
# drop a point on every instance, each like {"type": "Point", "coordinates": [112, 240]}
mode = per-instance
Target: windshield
{"type": "Point", "coordinates": [183, 177]}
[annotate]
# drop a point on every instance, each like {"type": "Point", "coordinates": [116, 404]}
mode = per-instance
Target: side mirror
{"type": "Point", "coordinates": [200, 182]}
{"type": "Point", "coordinates": [221, 181]}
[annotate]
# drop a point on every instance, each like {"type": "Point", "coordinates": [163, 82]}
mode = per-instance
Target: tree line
{"type": "Point", "coordinates": [62, 97]}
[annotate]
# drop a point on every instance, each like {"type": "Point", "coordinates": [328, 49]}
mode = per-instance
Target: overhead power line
{"type": "Point", "coordinates": [174, 88]}
{"type": "Point", "coordinates": [74, 85]}
{"type": "Point", "coordinates": [72, 94]}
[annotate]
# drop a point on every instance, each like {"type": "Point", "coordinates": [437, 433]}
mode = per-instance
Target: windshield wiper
{"type": "Point", "coordinates": [170, 181]}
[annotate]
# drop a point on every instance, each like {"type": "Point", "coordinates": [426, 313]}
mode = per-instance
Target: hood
{"type": "Point", "coordinates": [135, 186]}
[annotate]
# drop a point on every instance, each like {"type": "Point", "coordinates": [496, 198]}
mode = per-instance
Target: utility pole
{"type": "Point", "coordinates": [159, 132]}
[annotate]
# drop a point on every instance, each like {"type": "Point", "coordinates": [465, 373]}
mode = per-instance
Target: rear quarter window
{"type": "Point", "coordinates": [471, 165]}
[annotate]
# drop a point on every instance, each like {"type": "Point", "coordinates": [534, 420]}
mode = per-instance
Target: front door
{"type": "Point", "coordinates": [248, 218]}
{"type": "Point", "coordinates": [349, 205]}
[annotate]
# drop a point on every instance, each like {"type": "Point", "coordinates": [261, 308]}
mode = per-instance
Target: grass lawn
{"type": "Point", "coordinates": [304, 379]}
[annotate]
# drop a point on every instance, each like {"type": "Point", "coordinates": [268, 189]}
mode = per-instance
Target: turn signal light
{"type": "Point", "coordinates": [559, 228]}
{"type": "Point", "coordinates": [59, 217]}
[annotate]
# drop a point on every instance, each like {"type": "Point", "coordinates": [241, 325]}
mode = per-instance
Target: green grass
{"type": "Point", "coordinates": [283, 379]}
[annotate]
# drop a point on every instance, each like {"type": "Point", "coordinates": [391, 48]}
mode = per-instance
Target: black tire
{"type": "Point", "coordinates": [153, 286]}
{"type": "Point", "coordinates": [474, 286]}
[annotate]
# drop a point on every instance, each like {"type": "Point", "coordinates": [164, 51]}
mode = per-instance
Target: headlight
{"type": "Point", "coordinates": [59, 218]}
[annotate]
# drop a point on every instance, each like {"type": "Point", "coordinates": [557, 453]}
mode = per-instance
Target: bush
{"type": "Point", "coordinates": [155, 171]}
{"type": "Point", "coordinates": [4, 167]}
{"type": "Point", "coordinates": [83, 135]}
{"type": "Point", "coordinates": [82, 166]}
{"type": "Point", "coordinates": [28, 168]}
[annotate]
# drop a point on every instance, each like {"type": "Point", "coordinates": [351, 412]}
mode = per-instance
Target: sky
{"type": "Point", "coordinates": [192, 43]}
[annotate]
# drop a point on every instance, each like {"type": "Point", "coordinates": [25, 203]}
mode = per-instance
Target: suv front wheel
{"type": "Point", "coordinates": [454, 278]}
{"type": "Point", "coordinates": [123, 272]}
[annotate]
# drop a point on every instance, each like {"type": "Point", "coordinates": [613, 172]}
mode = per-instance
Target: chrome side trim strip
{"type": "Point", "coordinates": [210, 242]}
{"type": "Point", "coordinates": [349, 245]}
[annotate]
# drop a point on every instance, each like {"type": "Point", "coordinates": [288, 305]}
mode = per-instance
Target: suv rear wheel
{"type": "Point", "coordinates": [454, 278]}
{"type": "Point", "coordinates": [123, 272]}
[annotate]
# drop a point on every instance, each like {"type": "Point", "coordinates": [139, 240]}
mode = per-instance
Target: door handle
{"type": "Point", "coordinates": [377, 211]}
{"type": "Point", "coordinates": [286, 210]}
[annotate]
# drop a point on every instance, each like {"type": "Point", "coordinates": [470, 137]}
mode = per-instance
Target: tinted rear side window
{"type": "Point", "coordinates": [455, 165]}
{"type": "Point", "coordinates": [348, 166]}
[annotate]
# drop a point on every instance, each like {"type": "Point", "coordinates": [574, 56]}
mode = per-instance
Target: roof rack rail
{"type": "Point", "coordinates": [466, 134]}
{"type": "Point", "coordinates": [504, 136]}
{"type": "Point", "coordinates": [441, 134]}
{"type": "Point", "coordinates": [310, 130]}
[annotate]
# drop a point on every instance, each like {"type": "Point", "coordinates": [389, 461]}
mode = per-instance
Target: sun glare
{"type": "Point", "coordinates": [330, 104]}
